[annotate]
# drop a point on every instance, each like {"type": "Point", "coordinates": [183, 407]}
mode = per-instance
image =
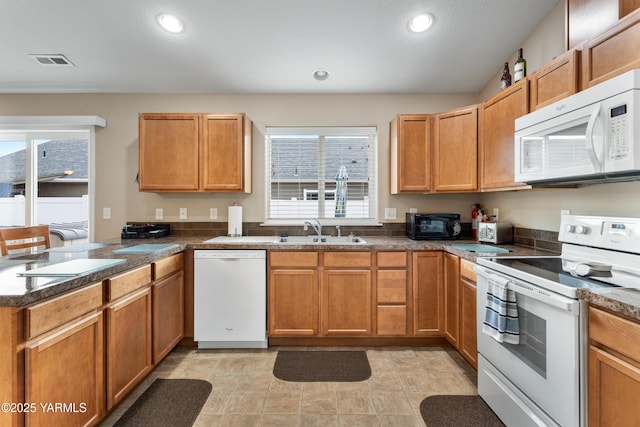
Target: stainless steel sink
{"type": "Point", "coordinates": [313, 240]}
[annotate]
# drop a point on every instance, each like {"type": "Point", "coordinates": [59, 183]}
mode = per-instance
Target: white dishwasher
{"type": "Point", "coordinates": [230, 298]}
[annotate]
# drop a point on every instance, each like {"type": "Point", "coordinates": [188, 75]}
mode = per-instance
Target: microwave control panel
{"type": "Point", "coordinates": [618, 133]}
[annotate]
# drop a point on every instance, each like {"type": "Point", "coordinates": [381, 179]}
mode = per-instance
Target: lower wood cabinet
{"type": "Point", "coordinates": [427, 293]}
{"type": "Point", "coordinates": [167, 294]}
{"type": "Point", "coordinates": [451, 287]}
{"type": "Point", "coordinates": [128, 344]}
{"type": "Point", "coordinates": [66, 366]}
{"type": "Point", "coordinates": [614, 370]}
{"type": "Point", "coordinates": [468, 343]}
{"type": "Point", "coordinates": [346, 296]}
{"type": "Point", "coordinates": [294, 305]}
{"type": "Point", "coordinates": [128, 339]}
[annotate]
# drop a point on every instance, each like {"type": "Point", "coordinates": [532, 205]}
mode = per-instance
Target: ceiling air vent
{"type": "Point", "coordinates": [54, 60]}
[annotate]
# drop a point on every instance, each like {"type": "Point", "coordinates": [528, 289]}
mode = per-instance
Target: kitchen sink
{"type": "Point", "coordinates": [313, 240]}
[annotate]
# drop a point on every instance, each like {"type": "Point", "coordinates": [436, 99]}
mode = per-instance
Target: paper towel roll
{"type": "Point", "coordinates": [235, 221]}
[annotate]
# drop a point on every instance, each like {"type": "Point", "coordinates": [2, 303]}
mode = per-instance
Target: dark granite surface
{"type": "Point", "coordinates": [19, 291]}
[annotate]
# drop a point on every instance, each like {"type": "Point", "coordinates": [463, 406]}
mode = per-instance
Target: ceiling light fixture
{"type": "Point", "coordinates": [170, 23]}
{"type": "Point", "coordinates": [321, 74]}
{"type": "Point", "coordinates": [421, 23]}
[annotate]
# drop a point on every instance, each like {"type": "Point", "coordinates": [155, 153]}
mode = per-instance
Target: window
{"type": "Point", "coordinates": [326, 173]}
{"type": "Point", "coordinates": [45, 165]}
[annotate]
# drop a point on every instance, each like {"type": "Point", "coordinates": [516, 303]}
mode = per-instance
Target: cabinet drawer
{"type": "Point", "coordinates": [619, 334]}
{"type": "Point", "coordinates": [391, 320]}
{"type": "Point", "coordinates": [55, 312]}
{"type": "Point", "coordinates": [392, 286]}
{"type": "Point", "coordinates": [128, 282]}
{"type": "Point", "coordinates": [293, 259]}
{"type": "Point", "coordinates": [166, 266]}
{"type": "Point", "coordinates": [347, 259]}
{"type": "Point", "coordinates": [391, 259]}
{"type": "Point", "coordinates": [466, 270]}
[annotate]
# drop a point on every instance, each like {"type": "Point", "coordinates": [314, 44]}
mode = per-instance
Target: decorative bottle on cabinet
{"type": "Point", "coordinates": [520, 67]}
{"type": "Point", "coordinates": [505, 81]}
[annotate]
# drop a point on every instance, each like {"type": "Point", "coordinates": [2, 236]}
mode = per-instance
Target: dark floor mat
{"type": "Point", "coordinates": [171, 403]}
{"type": "Point", "coordinates": [328, 366]}
{"type": "Point", "coordinates": [459, 411]}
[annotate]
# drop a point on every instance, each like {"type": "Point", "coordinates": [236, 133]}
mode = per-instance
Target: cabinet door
{"type": "Point", "coordinates": [346, 300]}
{"type": "Point", "coordinates": [452, 299]}
{"type": "Point", "coordinates": [293, 302]}
{"type": "Point", "coordinates": [554, 81]}
{"type": "Point", "coordinates": [427, 293]}
{"type": "Point", "coordinates": [468, 338]}
{"type": "Point", "coordinates": [614, 387]}
{"type": "Point", "coordinates": [67, 367]}
{"type": "Point", "coordinates": [455, 156]}
{"type": "Point", "coordinates": [410, 155]}
{"type": "Point", "coordinates": [128, 344]}
{"type": "Point", "coordinates": [168, 314]}
{"type": "Point", "coordinates": [614, 52]}
{"type": "Point", "coordinates": [168, 152]}
{"type": "Point", "coordinates": [223, 152]}
{"type": "Point", "coordinates": [497, 127]}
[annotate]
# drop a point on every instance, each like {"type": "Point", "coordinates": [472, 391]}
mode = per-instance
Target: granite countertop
{"type": "Point", "coordinates": [19, 291]}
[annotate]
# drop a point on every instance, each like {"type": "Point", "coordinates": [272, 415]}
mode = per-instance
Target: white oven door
{"type": "Point", "coordinates": [545, 365]}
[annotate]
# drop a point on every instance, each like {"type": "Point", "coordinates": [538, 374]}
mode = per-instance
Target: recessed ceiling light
{"type": "Point", "coordinates": [321, 74]}
{"type": "Point", "coordinates": [170, 23]}
{"type": "Point", "coordinates": [420, 23]}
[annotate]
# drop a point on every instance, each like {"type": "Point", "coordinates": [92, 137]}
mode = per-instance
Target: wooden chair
{"type": "Point", "coordinates": [23, 238]}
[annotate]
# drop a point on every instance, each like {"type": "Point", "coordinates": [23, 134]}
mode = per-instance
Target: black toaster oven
{"type": "Point", "coordinates": [439, 226]}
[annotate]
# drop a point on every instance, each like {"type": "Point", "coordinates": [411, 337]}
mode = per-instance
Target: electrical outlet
{"type": "Point", "coordinates": [390, 213]}
{"type": "Point", "coordinates": [413, 210]}
{"type": "Point", "coordinates": [213, 213]}
{"type": "Point", "coordinates": [495, 213]}
{"type": "Point", "coordinates": [159, 213]}
{"type": "Point", "coordinates": [106, 213]}
{"type": "Point", "coordinates": [183, 213]}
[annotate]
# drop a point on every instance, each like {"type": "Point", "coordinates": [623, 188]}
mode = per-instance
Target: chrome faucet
{"type": "Point", "coordinates": [317, 227]}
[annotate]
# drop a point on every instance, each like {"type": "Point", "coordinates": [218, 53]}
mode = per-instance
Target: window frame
{"type": "Point", "coordinates": [370, 131]}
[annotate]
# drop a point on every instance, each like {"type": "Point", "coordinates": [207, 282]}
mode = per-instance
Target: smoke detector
{"type": "Point", "coordinates": [52, 60]}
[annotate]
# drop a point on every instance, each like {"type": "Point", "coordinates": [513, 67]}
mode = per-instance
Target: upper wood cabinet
{"type": "Point", "coordinates": [588, 18]}
{"type": "Point", "coordinates": [410, 155]}
{"type": "Point", "coordinates": [555, 80]}
{"type": "Point", "coordinates": [614, 52]}
{"type": "Point", "coordinates": [455, 150]}
{"type": "Point", "coordinates": [497, 127]}
{"type": "Point", "coordinates": [182, 152]}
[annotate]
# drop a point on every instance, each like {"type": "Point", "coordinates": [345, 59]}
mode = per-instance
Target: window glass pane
{"type": "Point", "coordinates": [63, 180]}
{"type": "Point", "coordinates": [12, 181]}
{"type": "Point", "coordinates": [321, 173]}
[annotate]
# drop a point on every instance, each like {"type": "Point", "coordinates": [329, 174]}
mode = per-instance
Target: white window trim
{"type": "Point", "coordinates": [327, 131]}
{"type": "Point", "coordinates": [60, 124]}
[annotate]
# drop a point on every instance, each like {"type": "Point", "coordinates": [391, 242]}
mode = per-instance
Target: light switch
{"type": "Point", "coordinates": [390, 213]}
{"type": "Point", "coordinates": [106, 213]}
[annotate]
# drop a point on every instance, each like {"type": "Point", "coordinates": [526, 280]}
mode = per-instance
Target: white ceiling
{"type": "Point", "coordinates": [261, 46]}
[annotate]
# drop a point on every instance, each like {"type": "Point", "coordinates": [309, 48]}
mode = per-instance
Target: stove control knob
{"type": "Point", "coordinates": [582, 270]}
{"type": "Point", "coordinates": [570, 228]}
{"type": "Point", "coordinates": [581, 229]}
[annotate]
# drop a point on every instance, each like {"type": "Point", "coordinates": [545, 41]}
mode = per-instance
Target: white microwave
{"type": "Point", "coordinates": [592, 136]}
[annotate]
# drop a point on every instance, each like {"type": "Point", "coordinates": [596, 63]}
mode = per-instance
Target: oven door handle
{"type": "Point", "coordinates": [546, 297]}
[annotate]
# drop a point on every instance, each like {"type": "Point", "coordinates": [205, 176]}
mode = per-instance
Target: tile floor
{"type": "Point", "coordinates": [245, 392]}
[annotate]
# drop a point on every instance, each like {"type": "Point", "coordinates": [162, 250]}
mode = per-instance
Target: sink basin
{"type": "Point", "coordinates": [312, 240]}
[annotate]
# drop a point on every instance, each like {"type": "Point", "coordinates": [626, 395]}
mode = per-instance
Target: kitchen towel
{"type": "Point", "coordinates": [235, 221]}
{"type": "Point", "coordinates": [501, 311]}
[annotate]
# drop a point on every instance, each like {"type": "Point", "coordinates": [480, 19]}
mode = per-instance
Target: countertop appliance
{"type": "Point", "coordinates": [145, 231]}
{"type": "Point", "coordinates": [541, 379]}
{"type": "Point", "coordinates": [495, 232]}
{"type": "Point", "coordinates": [230, 298]}
{"type": "Point", "coordinates": [438, 226]}
{"type": "Point", "coordinates": [591, 136]}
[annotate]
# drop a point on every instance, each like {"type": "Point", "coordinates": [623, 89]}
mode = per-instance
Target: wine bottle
{"type": "Point", "coordinates": [505, 81]}
{"type": "Point", "coordinates": [520, 67]}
